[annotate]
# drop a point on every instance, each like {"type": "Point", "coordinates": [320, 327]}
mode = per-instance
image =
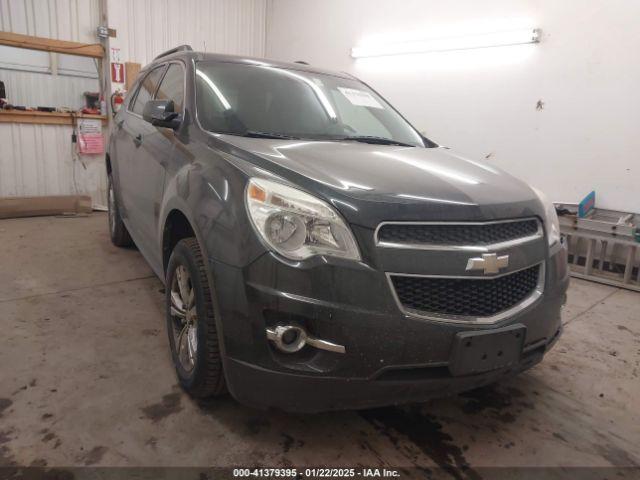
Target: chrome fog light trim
{"type": "Point", "coordinates": [325, 345]}
{"type": "Point", "coordinates": [302, 338]}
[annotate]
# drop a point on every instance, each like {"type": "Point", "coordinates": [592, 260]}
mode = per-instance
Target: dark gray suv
{"type": "Point", "coordinates": [318, 252]}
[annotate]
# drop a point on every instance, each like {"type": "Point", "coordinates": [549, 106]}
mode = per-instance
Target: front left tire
{"type": "Point", "coordinates": [191, 322]}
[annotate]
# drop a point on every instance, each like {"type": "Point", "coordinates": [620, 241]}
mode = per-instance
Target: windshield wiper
{"type": "Point", "coordinates": [375, 140]}
{"type": "Point", "coordinates": [255, 134]}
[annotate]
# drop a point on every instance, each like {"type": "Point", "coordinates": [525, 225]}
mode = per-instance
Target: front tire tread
{"type": "Point", "coordinates": [209, 381]}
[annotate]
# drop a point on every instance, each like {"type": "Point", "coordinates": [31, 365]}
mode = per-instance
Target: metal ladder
{"type": "Point", "coordinates": [603, 245]}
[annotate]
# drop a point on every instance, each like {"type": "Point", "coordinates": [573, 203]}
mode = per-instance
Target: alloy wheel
{"type": "Point", "coordinates": [184, 318]}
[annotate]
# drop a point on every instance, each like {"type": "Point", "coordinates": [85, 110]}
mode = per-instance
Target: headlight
{"type": "Point", "coordinates": [551, 223]}
{"type": "Point", "coordinates": [296, 224]}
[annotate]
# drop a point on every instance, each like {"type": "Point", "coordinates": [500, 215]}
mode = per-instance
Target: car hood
{"type": "Point", "coordinates": [373, 183]}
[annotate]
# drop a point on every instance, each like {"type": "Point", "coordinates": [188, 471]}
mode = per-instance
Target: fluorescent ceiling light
{"type": "Point", "coordinates": [479, 40]}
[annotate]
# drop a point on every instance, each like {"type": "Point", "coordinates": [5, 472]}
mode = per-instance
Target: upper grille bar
{"type": "Point", "coordinates": [470, 236]}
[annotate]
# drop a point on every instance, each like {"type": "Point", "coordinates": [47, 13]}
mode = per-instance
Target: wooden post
{"type": "Point", "coordinates": [131, 70]}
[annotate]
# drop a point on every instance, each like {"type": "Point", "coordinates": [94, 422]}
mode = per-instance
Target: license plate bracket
{"type": "Point", "coordinates": [480, 351]}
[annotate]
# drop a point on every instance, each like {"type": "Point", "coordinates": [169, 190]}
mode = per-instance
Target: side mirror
{"type": "Point", "coordinates": [159, 113]}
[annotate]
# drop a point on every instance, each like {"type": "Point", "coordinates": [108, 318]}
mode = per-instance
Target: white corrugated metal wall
{"type": "Point", "coordinates": [37, 159]}
{"type": "Point", "coordinates": [40, 162]}
{"type": "Point", "coordinates": [75, 20]}
{"type": "Point", "coordinates": [43, 89]}
{"type": "Point", "coordinates": [36, 78]}
{"type": "Point", "coordinates": [146, 28]}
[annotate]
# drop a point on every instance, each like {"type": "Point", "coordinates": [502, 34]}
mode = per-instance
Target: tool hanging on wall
{"type": "Point", "coordinates": [3, 94]}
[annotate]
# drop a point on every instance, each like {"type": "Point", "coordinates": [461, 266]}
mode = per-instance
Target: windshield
{"type": "Point", "coordinates": [274, 102]}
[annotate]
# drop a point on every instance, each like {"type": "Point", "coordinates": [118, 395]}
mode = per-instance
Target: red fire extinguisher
{"type": "Point", "coordinates": [117, 99]}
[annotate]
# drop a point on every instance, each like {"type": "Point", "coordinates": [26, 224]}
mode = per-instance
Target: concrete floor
{"type": "Point", "coordinates": [86, 379]}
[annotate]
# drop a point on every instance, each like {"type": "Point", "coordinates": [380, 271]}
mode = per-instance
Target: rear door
{"type": "Point", "coordinates": [131, 131]}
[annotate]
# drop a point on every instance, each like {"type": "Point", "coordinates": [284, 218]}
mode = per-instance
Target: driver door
{"type": "Point", "coordinates": [130, 131]}
{"type": "Point", "coordinates": [155, 153]}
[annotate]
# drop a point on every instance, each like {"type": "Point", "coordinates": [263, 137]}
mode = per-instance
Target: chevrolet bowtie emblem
{"type": "Point", "coordinates": [489, 263]}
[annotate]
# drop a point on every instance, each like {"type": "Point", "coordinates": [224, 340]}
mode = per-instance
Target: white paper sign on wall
{"type": "Point", "coordinates": [115, 55]}
{"type": "Point", "coordinates": [89, 125]}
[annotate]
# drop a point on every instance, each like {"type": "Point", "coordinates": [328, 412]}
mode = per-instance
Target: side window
{"type": "Point", "coordinates": [146, 90]}
{"type": "Point", "coordinates": [172, 87]}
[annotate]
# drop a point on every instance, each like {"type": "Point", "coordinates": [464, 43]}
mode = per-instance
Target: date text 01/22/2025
{"type": "Point", "coordinates": [316, 472]}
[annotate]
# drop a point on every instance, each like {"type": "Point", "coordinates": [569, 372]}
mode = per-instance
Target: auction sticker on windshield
{"type": "Point", "coordinates": [360, 97]}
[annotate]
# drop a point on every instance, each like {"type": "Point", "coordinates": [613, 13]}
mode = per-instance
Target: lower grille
{"type": "Point", "coordinates": [466, 297]}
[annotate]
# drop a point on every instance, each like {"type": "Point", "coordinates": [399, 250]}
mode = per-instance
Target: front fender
{"type": "Point", "coordinates": [210, 194]}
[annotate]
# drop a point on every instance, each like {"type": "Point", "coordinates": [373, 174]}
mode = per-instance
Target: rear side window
{"type": "Point", "coordinates": [146, 90]}
{"type": "Point", "coordinates": [172, 87]}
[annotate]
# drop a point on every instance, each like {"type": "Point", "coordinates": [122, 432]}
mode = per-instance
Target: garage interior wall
{"type": "Point", "coordinates": [74, 20]}
{"type": "Point", "coordinates": [44, 89]}
{"type": "Point", "coordinates": [146, 28]}
{"type": "Point", "coordinates": [538, 111]}
{"type": "Point", "coordinates": [546, 113]}
{"type": "Point", "coordinates": [37, 78]}
{"type": "Point", "coordinates": [27, 74]}
{"type": "Point", "coordinates": [37, 159]}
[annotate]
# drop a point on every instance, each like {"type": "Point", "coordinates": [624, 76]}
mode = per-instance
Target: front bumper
{"type": "Point", "coordinates": [262, 388]}
{"type": "Point", "coordinates": [390, 357]}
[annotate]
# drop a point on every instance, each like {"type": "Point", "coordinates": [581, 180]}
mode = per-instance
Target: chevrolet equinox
{"type": "Point", "coordinates": [317, 251]}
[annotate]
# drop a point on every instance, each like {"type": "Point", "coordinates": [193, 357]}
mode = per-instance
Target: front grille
{"type": "Point", "coordinates": [456, 233]}
{"type": "Point", "coordinates": [465, 297]}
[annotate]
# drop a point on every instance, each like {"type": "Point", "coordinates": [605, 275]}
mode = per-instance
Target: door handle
{"type": "Point", "coordinates": [138, 140]}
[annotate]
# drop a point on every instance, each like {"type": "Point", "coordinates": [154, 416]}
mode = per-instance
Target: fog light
{"type": "Point", "coordinates": [289, 338]}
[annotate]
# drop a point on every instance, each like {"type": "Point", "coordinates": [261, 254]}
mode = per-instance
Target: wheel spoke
{"type": "Point", "coordinates": [191, 299]}
{"type": "Point", "coordinates": [191, 344]}
{"type": "Point", "coordinates": [177, 313]}
{"type": "Point", "coordinates": [181, 340]}
{"type": "Point", "coordinates": [177, 307]}
{"type": "Point", "coordinates": [183, 283]}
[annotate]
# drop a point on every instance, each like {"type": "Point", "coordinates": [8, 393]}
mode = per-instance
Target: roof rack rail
{"type": "Point", "coordinates": [181, 48]}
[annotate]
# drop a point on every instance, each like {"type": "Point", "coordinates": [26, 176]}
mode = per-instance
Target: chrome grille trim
{"type": "Point", "coordinates": [469, 248]}
{"type": "Point", "coordinates": [524, 304]}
